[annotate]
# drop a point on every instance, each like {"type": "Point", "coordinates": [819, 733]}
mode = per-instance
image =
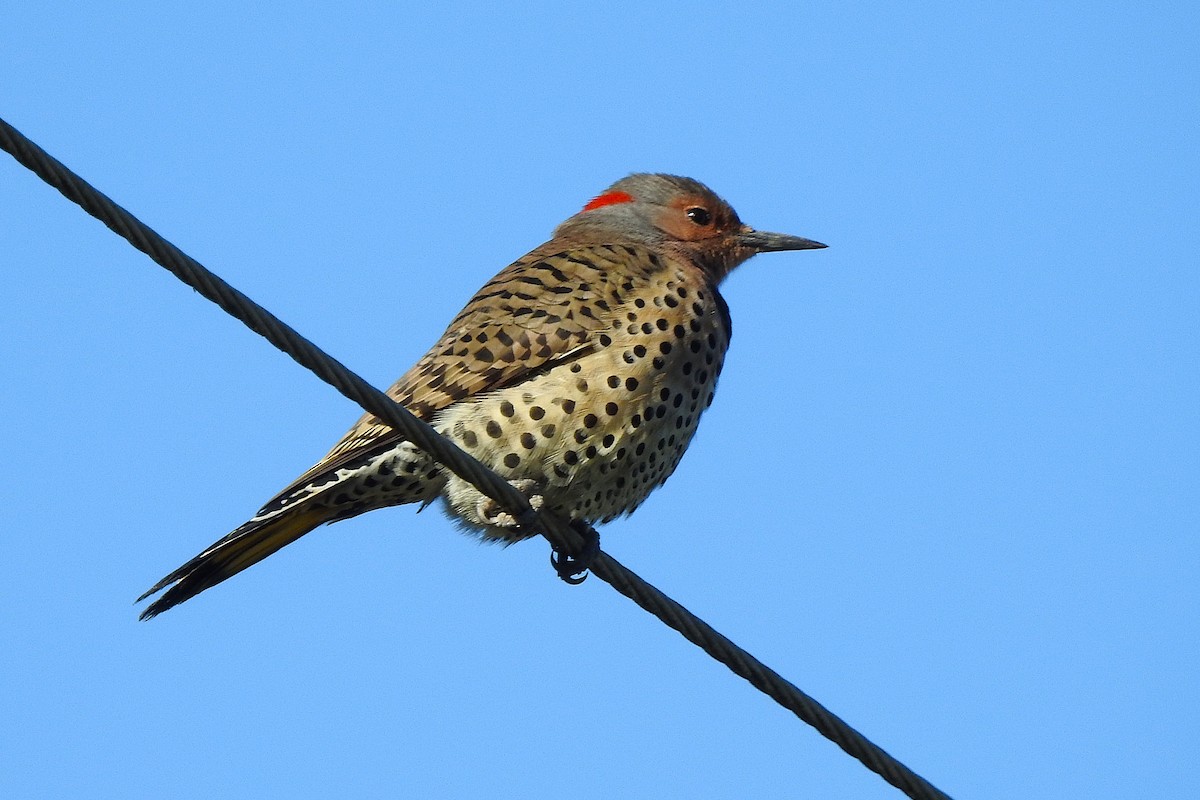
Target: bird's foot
{"type": "Point", "coordinates": [573, 567]}
{"type": "Point", "coordinates": [492, 513]}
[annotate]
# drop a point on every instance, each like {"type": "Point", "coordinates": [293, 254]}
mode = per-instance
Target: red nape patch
{"type": "Point", "coordinates": [610, 199]}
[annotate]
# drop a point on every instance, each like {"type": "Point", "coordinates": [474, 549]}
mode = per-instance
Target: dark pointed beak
{"type": "Point", "coordinates": [763, 242]}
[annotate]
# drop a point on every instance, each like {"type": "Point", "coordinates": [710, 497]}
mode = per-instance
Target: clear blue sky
{"type": "Point", "coordinates": [949, 485]}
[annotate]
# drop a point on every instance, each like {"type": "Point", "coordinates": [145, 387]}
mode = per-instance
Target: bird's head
{"type": "Point", "coordinates": [677, 214]}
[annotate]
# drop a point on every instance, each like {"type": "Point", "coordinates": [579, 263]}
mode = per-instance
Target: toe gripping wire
{"type": "Point", "coordinates": [572, 546]}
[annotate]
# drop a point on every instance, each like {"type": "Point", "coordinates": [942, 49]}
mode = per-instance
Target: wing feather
{"type": "Point", "coordinates": [540, 312]}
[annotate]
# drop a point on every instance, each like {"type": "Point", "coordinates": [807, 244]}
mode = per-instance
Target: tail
{"type": "Point", "coordinates": [342, 485]}
{"type": "Point", "coordinates": [246, 546]}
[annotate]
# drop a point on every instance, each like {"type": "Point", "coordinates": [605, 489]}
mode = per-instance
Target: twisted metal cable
{"type": "Point", "coordinates": [556, 530]}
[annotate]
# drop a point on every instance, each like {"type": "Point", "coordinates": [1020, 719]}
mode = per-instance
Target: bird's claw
{"type": "Point", "coordinates": [573, 567]}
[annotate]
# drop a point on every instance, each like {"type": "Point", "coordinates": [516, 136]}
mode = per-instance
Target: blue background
{"type": "Point", "coordinates": [949, 485]}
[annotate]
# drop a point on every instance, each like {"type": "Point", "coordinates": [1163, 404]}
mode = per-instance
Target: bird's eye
{"type": "Point", "coordinates": [699, 215]}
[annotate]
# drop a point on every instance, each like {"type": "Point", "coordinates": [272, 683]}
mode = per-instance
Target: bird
{"type": "Point", "coordinates": [578, 373]}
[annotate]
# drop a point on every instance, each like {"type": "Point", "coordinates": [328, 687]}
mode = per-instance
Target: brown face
{"type": "Point", "coordinates": [696, 217]}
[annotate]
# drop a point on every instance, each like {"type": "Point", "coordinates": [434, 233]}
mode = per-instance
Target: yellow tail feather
{"type": "Point", "coordinates": [242, 548]}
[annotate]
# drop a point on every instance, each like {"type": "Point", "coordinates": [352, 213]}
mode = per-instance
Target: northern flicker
{"type": "Point", "coordinates": [578, 373]}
